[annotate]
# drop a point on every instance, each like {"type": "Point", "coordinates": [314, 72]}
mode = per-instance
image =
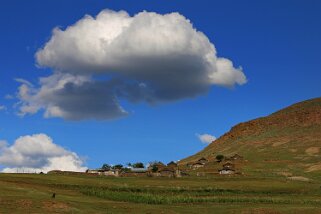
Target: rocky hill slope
{"type": "Point", "coordinates": [287, 142]}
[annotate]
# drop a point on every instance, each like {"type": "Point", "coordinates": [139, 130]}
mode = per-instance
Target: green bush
{"type": "Point", "coordinates": [219, 158]}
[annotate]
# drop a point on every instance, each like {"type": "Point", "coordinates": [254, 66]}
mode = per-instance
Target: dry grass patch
{"type": "Point", "coordinates": [55, 206]}
{"type": "Point", "coordinates": [299, 178]}
{"type": "Point", "coordinates": [312, 150]}
{"type": "Point", "coordinates": [286, 174]}
{"type": "Point", "coordinates": [316, 167]}
{"type": "Point", "coordinates": [25, 203]}
{"type": "Point", "coordinates": [260, 211]}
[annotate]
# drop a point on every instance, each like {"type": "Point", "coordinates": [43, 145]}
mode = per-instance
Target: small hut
{"type": "Point", "coordinates": [156, 165]}
{"type": "Point", "coordinates": [226, 171]}
{"type": "Point", "coordinates": [203, 160]}
{"type": "Point", "coordinates": [228, 165]}
{"type": "Point", "coordinates": [138, 170]}
{"type": "Point", "coordinates": [197, 165]}
{"type": "Point", "coordinates": [236, 157]}
{"type": "Point", "coordinates": [172, 164]}
{"type": "Point", "coordinates": [189, 165]}
{"type": "Point", "coordinates": [166, 172]}
{"type": "Point", "coordinates": [228, 168]}
{"type": "Point", "coordinates": [93, 171]}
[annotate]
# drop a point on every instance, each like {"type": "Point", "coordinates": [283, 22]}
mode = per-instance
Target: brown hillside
{"type": "Point", "coordinates": [291, 135]}
{"type": "Point", "coordinates": [303, 114]}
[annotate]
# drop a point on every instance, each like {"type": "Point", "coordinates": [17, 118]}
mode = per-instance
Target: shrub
{"type": "Point", "coordinates": [138, 165]}
{"type": "Point", "coordinates": [106, 166]}
{"type": "Point", "coordinates": [219, 158]}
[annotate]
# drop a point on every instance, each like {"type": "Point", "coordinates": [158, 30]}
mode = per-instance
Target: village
{"type": "Point", "coordinates": [220, 165]}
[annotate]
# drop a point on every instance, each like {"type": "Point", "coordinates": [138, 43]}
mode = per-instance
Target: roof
{"type": "Point", "coordinates": [98, 170]}
{"type": "Point", "coordinates": [228, 164]}
{"type": "Point", "coordinates": [197, 163]}
{"type": "Point", "coordinates": [226, 169]}
{"type": "Point", "coordinates": [138, 170]}
{"type": "Point", "coordinates": [172, 163]}
{"type": "Point", "coordinates": [236, 156]}
{"type": "Point", "coordinates": [157, 164]}
{"type": "Point", "coordinates": [166, 169]}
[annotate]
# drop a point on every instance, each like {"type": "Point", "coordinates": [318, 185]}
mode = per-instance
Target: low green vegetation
{"type": "Point", "coordinates": [99, 194]}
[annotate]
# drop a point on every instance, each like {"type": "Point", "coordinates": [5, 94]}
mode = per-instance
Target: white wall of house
{"type": "Point", "coordinates": [226, 172]}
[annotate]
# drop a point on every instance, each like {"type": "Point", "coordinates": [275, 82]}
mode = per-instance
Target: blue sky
{"type": "Point", "coordinates": [277, 43]}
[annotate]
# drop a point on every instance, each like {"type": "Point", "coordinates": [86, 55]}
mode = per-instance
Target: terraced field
{"type": "Point", "coordinates": [31, 193]}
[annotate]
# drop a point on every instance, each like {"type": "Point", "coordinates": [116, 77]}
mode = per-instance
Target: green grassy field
{"type": "Point", "coordinates": [30, 193]}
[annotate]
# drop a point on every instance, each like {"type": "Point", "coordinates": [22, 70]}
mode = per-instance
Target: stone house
{"type": "Point", "coordinates": [226, 171]}
{"type": "Point", "coordinates": [202, 160]}
{"type": "Point", "coordinates": [197, 165]}
{"type": "Point", "coordinates": [157, 165]}
{"type": "Point", "coordinates": [229, 165]}
{"type": "Point", "coordinates": [172, 164]}
{"type": "Point", "coordinates": [228, 168]}
{"type": "Point", "coordinates": [112, 172]}
{"type": "Point", "coordinates": [166, 172]}
{"type": "Point", "coordinates": [138, 170]}
{"type": "Point", "coordinates": [236, 157]}
{"type": "Point", "coordinates": [93, 171]}
{"type": "Point", "coordinates": [109, 172]}
{"type": "Point", "coordinates": [135, 172]}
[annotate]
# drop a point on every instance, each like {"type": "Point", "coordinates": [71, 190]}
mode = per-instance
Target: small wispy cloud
{"type": "Point", "coordinates": [2, 107]}
{"type": "Point", "coordinates": [206, 138]}
{"type": "Point", "coordinates": [9, 97]}
{"type": "Point", "coordinates": [23, 81]}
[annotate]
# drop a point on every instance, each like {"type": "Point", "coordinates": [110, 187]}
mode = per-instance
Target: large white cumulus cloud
{"type": "Point", "coordinates": [34, 153]}
{"type": "Point", "coordinates": [147, 57]}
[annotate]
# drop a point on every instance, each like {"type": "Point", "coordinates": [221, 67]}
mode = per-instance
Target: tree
{"type": "Point", "coordinates": [118, 166]}
{"type": "Point", "coordinates": [219, 158]}
{"type": "Point", "coordinates": [126, 169]}
{"type": "Point", "coordinates": [138, 165]}
{"type": "Point", "coordinates": [154, 168]}
{"type": "Point", "coordinates": [155, 163]}
{"type": "Point", "coordinates": [105, 166]}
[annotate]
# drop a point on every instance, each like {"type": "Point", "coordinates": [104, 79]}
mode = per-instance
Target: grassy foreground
{"type": "Point", "coordinates": [30, 193]}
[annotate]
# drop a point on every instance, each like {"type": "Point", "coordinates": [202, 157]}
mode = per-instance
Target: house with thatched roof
{"type": "Point", "coordinates": [226, 171]}
{"type": "Point", "coordinates": [189, 165]}
{"type": "Point", "coordinates": [228, 168]}
{"type": "Point", "coordinates": [138, 170]}
{"type": "Point", "coordinates": [156, 166]}
{"type": "Point", "coordinates": [167, 172]}
{"type": "Point", "coordinates": [172, 164]}
{"type": "Point", "coordinates": [197, 165]}
{"type": "Point", "coordinates": [94, 171]}
{"type": "Point", "coordinates": [112, 172]}
{"type": "Point", "coordinates": [134, 172]}
{"type": "Point", "coordinates": [106, 172]}
{"type": "Point", "coordinates": [229, 165]}
{"type": "Point", "coordinates": [202, 160]}
{"type": "Point", "coordinates": [236, 157]}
